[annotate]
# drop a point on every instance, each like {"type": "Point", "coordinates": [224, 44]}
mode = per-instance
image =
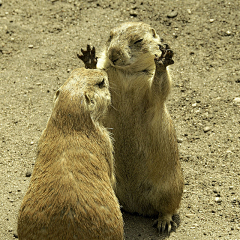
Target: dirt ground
{"type": "Point", "coordinates": [38, 45]}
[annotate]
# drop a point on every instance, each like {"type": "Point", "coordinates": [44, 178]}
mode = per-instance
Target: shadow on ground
{"type": "Point", "coordinates": [139, 227]}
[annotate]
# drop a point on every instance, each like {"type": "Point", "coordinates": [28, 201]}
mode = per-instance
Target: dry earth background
{"type": "Point", "coordinates": [38, 45]}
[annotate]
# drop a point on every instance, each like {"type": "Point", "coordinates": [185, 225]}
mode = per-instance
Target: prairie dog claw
{"type": "Point", "coordinates": [164, 223]}
{"type": "Point", "coordinates": [166, 57]}
{"type": "Point", "coordinates": [88, 57]}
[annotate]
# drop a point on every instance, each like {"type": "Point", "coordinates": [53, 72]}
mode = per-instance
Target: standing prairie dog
{"type": "Point", "coordinates": [70, 196]}
{"type": "Point", "coordinates": [149, 179]}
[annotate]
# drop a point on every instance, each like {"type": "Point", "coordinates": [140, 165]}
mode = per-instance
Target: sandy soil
{"type": "Point", "coordinates": [38, 45]}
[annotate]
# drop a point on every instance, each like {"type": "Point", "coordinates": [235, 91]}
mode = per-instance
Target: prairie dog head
{"type": "Point", "coordinates": [133, 45]}
{"type": "Point", "coordinates": [85, 93]}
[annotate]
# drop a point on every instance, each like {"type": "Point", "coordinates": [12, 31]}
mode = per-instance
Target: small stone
{"type": "Point", "coordinates": [30, 46]}
{"type": "Point", "coordinates": [0, 3]}
{"type": "Point", "coordinates": [179, 140]}
{"type": "Point", "coordinates": [175, 35]}
{"type": "Point", "coordinates": [228, 33]}
{"type": "Point", "coordinates": [15, 235]}
{"type": "Point", "coordinates": [194, 104]}
{"type": "Point", "coordinates": [189, 215]}
{"type": "Point", "coordinates": [172, 14]}
{"type": "Point", "coordinates": [69, 70]}
{"type": "Point", "coordinates": [211, 20]}
{"type": "Point", "coordinates": [218, 200]}
{"type": "Point", "coordinates": [32, 143]}
{"type": "Point", "coordinates": [133, 13]}
{"type": "Point", "coordinates": [189, 11]}
{"type": "Point", "coordinates": [216, 191]}
{"type": "Point", "coordinates": [38, 84]}
{"type": "Point", "coordinates": [206, 129]}
{"type": "Point", "coordinates": [231, 187]}
{"type": "Point", "coordinates": [28, 174]}
{"type": "Point", "coordinates": [236, 101]}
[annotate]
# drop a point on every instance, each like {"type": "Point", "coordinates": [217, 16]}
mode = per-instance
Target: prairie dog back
{"type": "Point", "coordinates": [71, 195]}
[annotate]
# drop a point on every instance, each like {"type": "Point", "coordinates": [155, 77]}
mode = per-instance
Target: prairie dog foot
{"type": "Point", "coordinates": [88, 57]}
{"type": "Point", "coordinates": [166, 58]}
{"type": "Point", "coordinates": [164, 223]}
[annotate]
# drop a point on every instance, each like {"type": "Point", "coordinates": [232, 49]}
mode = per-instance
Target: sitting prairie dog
{"type": "Point", "coordinates": [149, 178]}
{"type": "Point", "coordinates": [70, 195]}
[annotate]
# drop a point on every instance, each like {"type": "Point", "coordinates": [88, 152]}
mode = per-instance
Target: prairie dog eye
{"type": "Point", "coordinates": [56, 95]}
{"type": "Point", "coordinates": [101, 84]}
{"type": "Point", "coordinates": [110, 37]}
{"type": "Point", "coordinates": [138, 41]}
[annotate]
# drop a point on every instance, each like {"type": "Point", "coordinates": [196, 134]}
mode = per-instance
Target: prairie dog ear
{"type": "Point", "coordinates": [56, 95]}
{"type": "Point", "coordinates": [154, 33]}
{"type": "Point", "coordinates": [89, 101]}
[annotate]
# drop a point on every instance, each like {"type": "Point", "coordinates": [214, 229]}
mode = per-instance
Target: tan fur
{"type": "Point", "coordinates": [70, 196]}
{"type": "Point", "coordinates": [148, 171]}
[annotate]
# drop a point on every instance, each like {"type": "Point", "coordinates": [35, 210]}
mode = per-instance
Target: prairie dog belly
{"type": "Point", "coordinates": [149, 179]}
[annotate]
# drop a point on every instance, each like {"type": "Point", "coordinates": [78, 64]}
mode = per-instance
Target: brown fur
{"type": "Point", "coordinates": [70, 195]}
{"type": "Point", "coordinates": [148, 171]}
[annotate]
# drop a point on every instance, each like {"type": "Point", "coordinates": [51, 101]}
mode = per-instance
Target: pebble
{"type": "Point", "coordinates": [28, 174]}
{"type": "Point", "coordinates": [30, 46]}
{"type": "Point", "coordinates": [218, 200]}
{"type": "Point", "coordinates": [231, 187]}
{"type": "Point", "coordinates": [172, 14]}
{"type": "Point", "coordinates": [228, 33]}
{"type": "Point", "coordinates": [0, 3]}
{"type": "Point", "coordinates": [179, 140]}
{"type": "Point", "coordinates": [15, 235]}
{"type": "Point", "coordinates": [211, 20]}
{"type": "Point", "coordinates": [206, 129]}
{"type": "Point", "coordinates": [31, 143]}
{"type": "Point", "coordinates": [194, 104]}
{"type": "Point", "coordinates": [133, 13]}
{"type": "Point", "coordinates": [236, 101]}
{"type": "Point", "coordinates": [216, 191]}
